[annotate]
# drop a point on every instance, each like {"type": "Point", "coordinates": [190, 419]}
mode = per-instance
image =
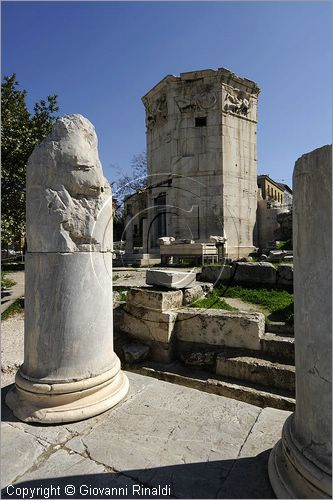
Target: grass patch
{"type": "Point", "coordinates": [115, 277]}
{"type": "Point", "coordinates": [285, 245]}
{"type": "Point", "coordinates": [122, 296]}
{"type": "Point", "coordinates": [213, 301]}
{"type": "Point", "coordinates": [120, 288]}
{"type": "Point", "coordinates": [6, 282]}
{"type": "Point", "coordinates": [280, 303]}
{"type": "Point", "coordinates": [15, 307]}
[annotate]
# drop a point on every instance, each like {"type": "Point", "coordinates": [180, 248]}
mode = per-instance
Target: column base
{"type": "Point", "coordinates": [292, 474]}
{"type": "Point", "coordinates": [55, 403]}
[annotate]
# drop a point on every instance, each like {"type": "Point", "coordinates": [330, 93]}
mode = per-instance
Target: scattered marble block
{"type": "Point", "coordinates": [285, 275]}
{"type": "Point", "coordinates": [154, 300]}
{"type": "Point", "coordinates": [220, 328]}
{"type": "Point", "coordinates": [261, 273]}
{"type": "Point", "coordinates": [172, 280]}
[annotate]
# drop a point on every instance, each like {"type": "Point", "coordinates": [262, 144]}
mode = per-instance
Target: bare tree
{"type": "Point", "coordinates": [130, 183]}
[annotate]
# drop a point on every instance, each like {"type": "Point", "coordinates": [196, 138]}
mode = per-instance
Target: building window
{"type": "Point", "coordinates": [201, 121]}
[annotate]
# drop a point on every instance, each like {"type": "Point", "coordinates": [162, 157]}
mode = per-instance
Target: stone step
{"type": "Point", "coordinates": [242, 391]}
{"type": "Point", "coordinates": [279, 347]}
{"type": "Point", "coordinates": [280, 328]}
{"type": "Point", "coordinates": [256, 370]}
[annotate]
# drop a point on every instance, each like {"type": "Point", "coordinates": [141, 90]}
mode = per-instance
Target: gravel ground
{"type": "Point", "coordinates": [12, 347]}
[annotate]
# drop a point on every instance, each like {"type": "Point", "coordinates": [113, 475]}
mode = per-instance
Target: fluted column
{"type": "Point", "coordinates": [300, 464]}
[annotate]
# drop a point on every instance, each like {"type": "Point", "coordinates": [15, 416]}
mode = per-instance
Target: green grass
{"type": "Point", "coordinates": [115, 277]}
{"type": "Point", "coordinates": [213, 301]}
{"type": "Point", "coordinates": [6, 282]}
{"type": "Point", "coordinates": [285, 245]}
{"type": "Point", "coordinates": [278, 303]}
{"type": "Point", "coordinates": [122, 296]}
{"type": "Point", "coordinates": [14, 308]}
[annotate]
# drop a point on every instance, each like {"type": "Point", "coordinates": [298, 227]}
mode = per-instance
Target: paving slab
{"type": "Point", "coordinates": [192, 444]}
{"type": "Point", "coordinates": [18, 451]}
{"type": "Point", "coordinates": [244, 480]}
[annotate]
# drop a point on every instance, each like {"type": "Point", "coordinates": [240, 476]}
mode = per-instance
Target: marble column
{"type": "Point", "coordinates": [144, 236]}
{"type": "Point", "coordinates": [129, 235]}
{"type": "Point", "coordinates": [70, 371]}
{"type": "Point", "coordinates": [300, 465]}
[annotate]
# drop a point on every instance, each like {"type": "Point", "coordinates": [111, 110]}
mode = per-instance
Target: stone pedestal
{"type": "Point", "coordinates": [300, 464]}
{"type": "Point", "coordinates": [70, 371]}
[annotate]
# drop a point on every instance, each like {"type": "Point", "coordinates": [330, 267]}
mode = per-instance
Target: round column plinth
{"type": "Point", "coordinates": [292, 474]}
{"type": "Point", "coordinates": [54, 403]}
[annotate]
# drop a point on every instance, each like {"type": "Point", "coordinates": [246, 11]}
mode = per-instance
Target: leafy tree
{"type": "Point", "coordinates": [21, 131]}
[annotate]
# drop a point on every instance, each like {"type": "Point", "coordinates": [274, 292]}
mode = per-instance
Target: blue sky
{"type": "Point", "coordinates": [102, 57]}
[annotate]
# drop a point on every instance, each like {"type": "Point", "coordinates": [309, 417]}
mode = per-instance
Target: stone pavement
{"type": "Point", "coordinates": [192, 444]}
{"type": "Point", "coordinates": [15, 292]}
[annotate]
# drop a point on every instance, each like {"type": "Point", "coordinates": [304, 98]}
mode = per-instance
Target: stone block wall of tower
{"type": "Point", "coordinates": [201, 152]}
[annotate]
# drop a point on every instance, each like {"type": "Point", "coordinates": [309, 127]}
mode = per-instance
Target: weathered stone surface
{"type": "Point", "coordinates": [215, 274]}
{"type": "Point", "coordinates": [205, 381]}
{"type": "Point", "coordinates": [149, 324]}
{"type": "Point", "coordinates": [70, 371]}
{"type": "Point", "coordinates": [278, 255]}
{"type": "Point", "coordinates": [162, 434]}
{"type": "Point", "coordinates": [256, 370]}
{"type": "Point", "coordinates": [218, 327]}
{"type": "Point", "coordinates": [26, 448]}
{"type": "Point", "coordinates": [135, 352]}
{"type": "Point", "coordinates": [154, 300]}
{"type": "Point", "coordinates": [207, 196]}
{"type": "Point", "coordinates": [285, 275]}
{"type": "Point", "coordinates": [278, 347]}
{"type": "Point", "coordinates": [244, 481]}
{"type": "Point", "coordinates": [159, 438]}
{"type": "Point", "coordinates": [191, 294]}
{"type": "Point", "coordinates": [170, 279]}
{"type": "Point", "coordinates": [203, 359]}
{"type": "Point", "coordinates": [167, 240]}
{"type": "Point", "coordinates": [263, 273]}
{"type": "Point", "coordinates": [301, 463]}
{"type": "Point", "coordinates": [80, 310]}
{"type": "Point", "coordinates": [207, 287]}
{"type": "Point", "coordinates": [69, 202]}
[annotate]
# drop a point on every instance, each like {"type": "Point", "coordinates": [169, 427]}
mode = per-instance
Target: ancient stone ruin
{"type": "Point", "coordinates": [202, 170]}
{"type": "Point", "coordinates": [301, 463]}
{"type": "Point", "coordinates": [70, 371]}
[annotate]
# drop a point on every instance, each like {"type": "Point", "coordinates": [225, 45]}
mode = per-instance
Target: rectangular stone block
{"type": "Point", "coordinates": [150, 325]}
{"type": "Point", "coordinates": [218, 327]}
{"type": "Point", "coordinates": [174, 280]}
{"type": "Point", "coordinates": [215, 274]}
{"type": "Point", "coordinates": [154, 299]}
{"type": "Point", "coordinates": [258, 273]}
{"type": "Point", "coordinates": [285, 275]}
